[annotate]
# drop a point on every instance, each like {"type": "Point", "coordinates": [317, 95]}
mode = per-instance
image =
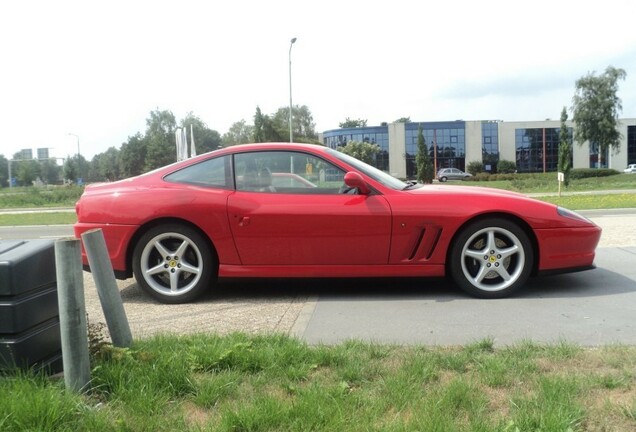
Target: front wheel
{"type": "Point", "coordinates": [491, 258]}
{"type": "Point", "coordinates": [173, 263]}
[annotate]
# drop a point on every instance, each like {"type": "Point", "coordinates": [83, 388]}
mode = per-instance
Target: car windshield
{"type": "Point", "coordinates": [376, 174]}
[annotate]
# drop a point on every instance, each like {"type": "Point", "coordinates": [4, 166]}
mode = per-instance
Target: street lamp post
{"type": "Point", "coordinates": [291, 134]}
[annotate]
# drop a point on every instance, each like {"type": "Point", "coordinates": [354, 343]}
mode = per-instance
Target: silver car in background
{"type": "Point", "coordinates": [451, 174]}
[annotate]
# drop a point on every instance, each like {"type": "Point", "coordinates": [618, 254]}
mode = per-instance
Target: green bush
{"type": "Point", "coordinates": [475, 167]}
{"type": "Point", "coordinates": [580, 173]}
{"type": "Point", "coordinates": [506, 167]}
{"type": "Point", "coordinates": [480, 177]}
{"type": "Point", "coordinates": [496, 177]}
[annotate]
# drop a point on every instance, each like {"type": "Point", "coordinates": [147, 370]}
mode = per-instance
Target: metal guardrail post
{"type": "Point", "coordinates": [73, 327]}
{"type": "Point", "coordinates": [109, 296]}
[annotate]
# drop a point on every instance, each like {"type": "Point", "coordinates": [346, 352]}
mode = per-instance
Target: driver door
{"type": "Point", "coordinates": [289, 209]}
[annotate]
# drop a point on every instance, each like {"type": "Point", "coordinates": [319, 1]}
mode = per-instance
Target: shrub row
{"type": "Point", "coordinates": [484, 176]}
{"type": "Point", "coordinates": [580, 173]}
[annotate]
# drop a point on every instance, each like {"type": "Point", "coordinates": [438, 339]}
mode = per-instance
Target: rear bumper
{"type": "Point", "coordinates": [117, 239]}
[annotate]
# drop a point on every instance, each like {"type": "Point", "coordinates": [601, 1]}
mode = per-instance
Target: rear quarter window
{"type": "Point", "coordinates": [214, 173]}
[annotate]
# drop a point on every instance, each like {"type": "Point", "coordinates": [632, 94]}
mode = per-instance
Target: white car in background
{"type": "Point", "coordinates": [631, 169]}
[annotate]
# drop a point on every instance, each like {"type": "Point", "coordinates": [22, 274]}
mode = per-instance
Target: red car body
{"type": "Point", "coordinates": [382, 229]}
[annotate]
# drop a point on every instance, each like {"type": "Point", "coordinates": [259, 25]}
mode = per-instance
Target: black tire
{"type": "Point", "coordinates": [443, 179]}
{"type": "Point", "coordinates": [491, 258]}
{"type": "Point", "coordinates": [173, 263]}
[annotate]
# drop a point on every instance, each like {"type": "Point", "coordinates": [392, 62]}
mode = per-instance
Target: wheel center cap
{"type": "Point", "coordinates": [492, 258]}
{"type": "Point", "coordinates": [172, 263]}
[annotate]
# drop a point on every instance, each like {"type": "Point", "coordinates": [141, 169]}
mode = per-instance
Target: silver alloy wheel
{"type": "Point", "coordinates": [171, 264]}
{"type": "Point", "coordinates": [493, 259]}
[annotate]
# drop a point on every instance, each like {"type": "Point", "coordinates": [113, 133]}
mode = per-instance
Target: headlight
{"type": "Point", "coordinates": [572, 214]}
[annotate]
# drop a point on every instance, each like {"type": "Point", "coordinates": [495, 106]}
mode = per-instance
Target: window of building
{"type": "Point", "coordinates": [445, 142]}
{"type": "Point", "coordinates": [490, 145]}
{"type": "Point", "coordinates": [537, 149]}
{"type": "Point", "coordinates": [631, 145]}
{"type": "Point", "coordinates": [373, 135]}
{"type": "Point", "coordinates": [595, 160]}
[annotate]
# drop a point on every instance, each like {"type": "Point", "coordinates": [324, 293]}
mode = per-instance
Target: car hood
{"type": "Point", "coordinates": [465, 190]}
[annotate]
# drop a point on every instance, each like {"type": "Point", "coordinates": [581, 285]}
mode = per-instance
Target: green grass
{"type": "Point", "coordinates": [55, 196]}
{"type": "Point", "coordinates": [22, 219]}
{"type": "Point", "coordinates": [547, 183]}
{"type": "Point", "coordinates": [276, 383]}
{"type": "Point", "coordinates": [585, 202]}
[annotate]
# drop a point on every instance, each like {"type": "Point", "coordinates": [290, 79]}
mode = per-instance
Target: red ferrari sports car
{"type": "Point", "coordinates": [297, 210]}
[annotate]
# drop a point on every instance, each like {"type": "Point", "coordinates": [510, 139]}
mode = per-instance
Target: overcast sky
{"type": "Point", "coordinates": [96, 69]}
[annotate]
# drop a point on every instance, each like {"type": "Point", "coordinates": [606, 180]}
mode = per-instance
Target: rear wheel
{"type": "Point", "coordinates": [491, 258]}
{"type": "Point", "coordinates": [443, 179]}
{"type": "Point", "coordinates": [173, 263]}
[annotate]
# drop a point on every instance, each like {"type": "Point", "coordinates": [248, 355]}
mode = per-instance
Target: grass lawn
{"type": "Point", "coordinates": [585, 202]}
{"type": "Point", "coordinates": [538, 183]}
{"type": "Point", "coordinates": [275, 383]}
{"type": "Point", "coordinates": [56, 218]}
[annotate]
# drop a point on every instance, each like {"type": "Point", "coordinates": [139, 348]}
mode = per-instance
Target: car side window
{"type": "Point", "coordinates": [213, 172]}
{"type": "Point", "coordinates": [286, 172]}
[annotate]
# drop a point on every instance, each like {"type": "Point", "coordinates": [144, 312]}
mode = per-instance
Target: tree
{"type": "Point", "coordinates": [363, 151]}
{"type": "Point", "coordinates": [4, 171]}
{"type": "Point", "coordinates": [71, 169]}
{"type": "Point", "coordinates": [265, 130]}
{"type": "Point", "coordinates": [303, 126]}
{"type": "Point", "coordinates": [403, 120]}
{"type": "Point", "coordinates": [49, 171]}
{"type": "Point", "coordinates": [425, 169]}
{"type": "Point", "coordinates": [565, 149]}
{"type": "Point", "coordinates": [351, 123]}
{"type": "Point", "coordinates": [239, 133]}
{"type": "Point", "coordinates": [596, 107]}
{"type": "Point", "coordinates": [27, 172]}
{"type": "Point", "coordinates": [205, 139]}
{"type": "Point", "coordinates": [108, 165]}
{"type": "Point", "coordinates": [160, 139]}
{"type": "Point", "coordinates": [132, 156]}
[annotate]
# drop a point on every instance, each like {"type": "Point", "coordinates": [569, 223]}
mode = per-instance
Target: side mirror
{"type": "Point", "coordinates": [354, 180]}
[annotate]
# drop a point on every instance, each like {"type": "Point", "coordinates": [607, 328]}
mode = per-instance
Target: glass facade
{"type": "Point", "coordinates": [490, 145]}
{"type": "Point", "coordinates": [446, 142]}
{"type": "Point", "coordinates": [537, 149]}
{"type": "Point", "coordinates": [374, 135]}
{"type": "Point", "coordinates": [631, 145]}
{"type": "Point", "coordinates": [594, 157]}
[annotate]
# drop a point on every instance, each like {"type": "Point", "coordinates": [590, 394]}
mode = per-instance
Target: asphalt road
{"type": "Point", "coordinates": [36, 232]}
{"type": "Point", "coordinates": [590, 308]}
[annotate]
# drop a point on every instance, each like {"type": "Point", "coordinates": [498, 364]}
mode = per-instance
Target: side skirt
{"type": "Point", "coordinates": [332, 271]}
